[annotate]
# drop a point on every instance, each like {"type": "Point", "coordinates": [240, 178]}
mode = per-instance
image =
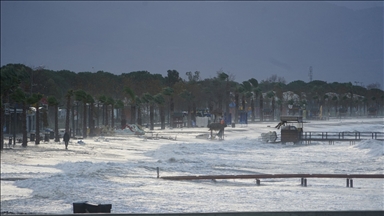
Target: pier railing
{"type": "Point", "coordinates": [341, 136]}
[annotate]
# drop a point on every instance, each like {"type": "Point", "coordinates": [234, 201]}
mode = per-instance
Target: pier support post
{"type": "Point", "coordinates": [304, 182]}
{"type": "Point", "coordinates": [158, 172]}
{"type": "Point", "coordinates": [257, 181]}
{"type": "Point", "coordinates": [349, 182]}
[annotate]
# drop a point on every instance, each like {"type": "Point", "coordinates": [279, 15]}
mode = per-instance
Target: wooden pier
{"type": "Point", "coordinates": [349, 177]}
{"type": "Point", "coordinates": [331, 137]}
{"type": "Point", "coordinates": [271, 176]}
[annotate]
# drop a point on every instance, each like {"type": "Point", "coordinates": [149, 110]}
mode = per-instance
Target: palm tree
{"type": "Point", "coordinates": [111, 101]}
{"type": "Point", "coordinates": [168, 91]}
{"type": "Point", "coordinates": [129, 92]}
{"type": "Point", "coordinates": [148, 98]}
{"type": "Point", "coordinates": [224, 78]}
{"type": "Point", "coordinates": [81, 96]}
{"type": "Point", "coordinates": [271, 96]}
{"type": "Point", "coordinates": [20, 97]}
{"type": "Point", "coordinates": [335, 100]}
{"type": "Point", "coordinates": [36, 98]}
{"type": "Point", "coordinates": [171, 80]}
{"type": "Point", "coordinates": [159, 99]}
{"type": "Point", "coordinates": [120, 106]}
{"type": "Point", "coordinates": [258, 94]}
{"type": "Point", "coordinates": [188, 97]}
{"type": "Point", "coordinates": [349, 86]}
{"type": "Point", "coordinates": [91, 122]}
{"type": "Point", "coordinates": [52, 101]}
{"type": "Point", "coordinates": [102, 99]}
{"type": "Point", "coordinates": [238, 89]}
{"type": "Point", "coordinates": [9, 83]}
{"type": "Point", "coordinates": [2, 124]}
{"type": "Point", "coordinates": [247, 96]}
{"type": "Point", "coordinates": [278, 87]}
{"type": "Point", "coordinates": [68, 109]}
{"type": "Point", "coordinates": [261, 105]}
{"type": "Point", "coordinates": [255, 91]}
{"type": "Point", "coordinates": [138, 102]}
{"type": "Point", "coordinates": [326, 104]}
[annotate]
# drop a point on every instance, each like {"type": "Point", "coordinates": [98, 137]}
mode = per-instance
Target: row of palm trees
{"type": "Point", "coordinates": [20, 97]}
{"type": "Point", "coordinates": [247, 90]}
{"type": "Point", "coordinates": [108, 106]}
{"type": "Point", "coordinates": [155, 93]}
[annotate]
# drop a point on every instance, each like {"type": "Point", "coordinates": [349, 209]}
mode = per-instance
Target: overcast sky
{"type": "Point", "coordinates": [342, 41]}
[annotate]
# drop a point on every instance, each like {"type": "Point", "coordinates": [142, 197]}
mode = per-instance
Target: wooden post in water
{"type": "Point", "coordinates": [347, 182]}
{"type": "Point", "coordinates": [158, 172]}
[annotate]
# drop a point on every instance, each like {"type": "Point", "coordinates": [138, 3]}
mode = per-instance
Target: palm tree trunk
{"type": "Point", "coordinates": [189, 116]}
{"type": "Point", "coordinates": [102, 115]}
{"type": "Point", "coordinates": [193, 116]}
{"type": "Point", "coordinates": [84, 120]}
{"type": "Point", "coordinates": [162, 117]}
{"type": "Point", "coordinates": [57, 138]}
{"type": "Point", "coordinates": [253, 109]}
{"type": "Point", "coordinates": [171, 108]}
{"type": "Point", "coordinates": [67, 114]}
{"type": "Point", "coordinates": [273, 109]}
{"type": "Point", "coordinates": [112, 117]}
{"type": "Point", "coordinates": [24, 124]}
{"type": "Point", "coordinates": [139, 120]}
{"type": "Point", "coordinates": [73, 121]}
{"type": "Point", "coordinates": [106, 115]}
{"type": "Point", "coordinates": [37, 140]}
{"type": "Point", "coordinates": [151, 116]}
{"type": "Point", "coordinates": [2, 119]}
{"type": "Point", "coordinates": [261, 108]}
{"type": "Point", "coordinates": [91, 121]}
{"type": "Point", "coordinates": [133, 114]}
{"type": "Point", "coordinates": [281, 109]}
{"type": "Point", "coordinates": [351, 105]}
{"type": "Point", "coordinates": [227, 96]}
{"type": "Point", "coordinates": [236, 117]}
{"type": "Point", "coordinates": [123, 120]}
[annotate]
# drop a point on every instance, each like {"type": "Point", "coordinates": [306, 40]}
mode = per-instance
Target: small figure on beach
{"type": "Point", "coordinates": [66, 139]}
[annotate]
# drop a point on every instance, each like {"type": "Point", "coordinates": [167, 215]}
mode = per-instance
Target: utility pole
{"type": "Point", "coordinates": [31, 82]}
{"type": "Point", "coordinates": [310, 74]}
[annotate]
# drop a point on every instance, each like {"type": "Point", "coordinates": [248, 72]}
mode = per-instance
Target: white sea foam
{"type": "Point", "coordinates": [122, 172]}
